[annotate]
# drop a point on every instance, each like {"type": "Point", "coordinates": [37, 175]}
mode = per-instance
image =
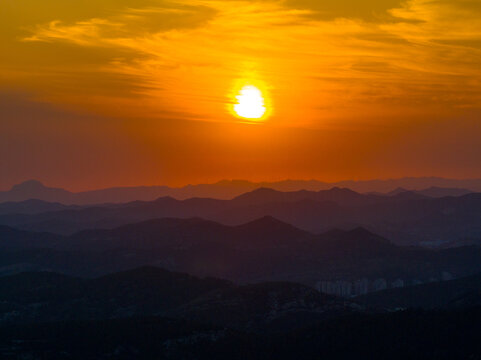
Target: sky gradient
{"type": "Point", "coordinates": [124, 92]}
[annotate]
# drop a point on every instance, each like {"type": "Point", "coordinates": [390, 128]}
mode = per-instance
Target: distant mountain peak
{"type": "Point", "coordinates": [259, 194]}
{"type": "Point", "coordinates": [335, 188]}
{"type": "Point", "coordinates": [161, 199]}
{"type": "Point", "coordinates": [269, 222]}
{"type": "Point", "coordinates": [234, 182]}
{"type": "Point", "coordinates": [343, 190]}
{"type": "Point", "coordinates": [409, 195]}
{"type": "Point", "coordinates": [397, 191]}
{"type": "Point", "coordinates": [264, 190]}
{"type": "Point", "coordinates": [29, 185]}
{"type": "Point", "coordinates": [267, 219]}
{"type": "Point", "coordinates": [361, 231]}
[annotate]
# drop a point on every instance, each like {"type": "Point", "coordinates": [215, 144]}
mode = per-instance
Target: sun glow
{"type": "Point", "coordinates": [250, 103]}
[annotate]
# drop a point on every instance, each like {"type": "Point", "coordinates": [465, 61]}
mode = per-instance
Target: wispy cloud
{"type": "Point", "coordinates": [321, 61]}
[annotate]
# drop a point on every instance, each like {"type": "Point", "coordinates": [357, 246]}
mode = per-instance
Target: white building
{"type": "Point", "coordinates": [379, 284]}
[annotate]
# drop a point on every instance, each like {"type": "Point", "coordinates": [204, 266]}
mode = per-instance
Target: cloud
{"type": "Point", "coordinates": [159, 75]}
{"type": "Point", "coordinates": [368, 10]}
{"type": "Point", "coordinates": [323, 62]}
{"type": "Point", "coordinates": [124, 23]}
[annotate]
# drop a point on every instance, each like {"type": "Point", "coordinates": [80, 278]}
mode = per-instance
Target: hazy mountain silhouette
{"type": "Point", "coordinates": [435, 191]}
{"type": "Point", "coordinates": [337, 195]}
{"type": "Point", "coordinates": [408, 195]}
{"type": "Point", "coordinates": [32, 206]}
{"type": "Point", "coordinates": [396, 191]}
{"type": "Point", "coordinates": [148, 312]}
{"type": "Point", "coordinates": [225, 189]}
{"type": "Point", "coordinates": [12, 239]}
{"type": "Point", "coordinates": [263, 250]}
{"type": "Point", "coordinates": [34, 189]}
{"type": "Point", "coordinates": [405, 218]}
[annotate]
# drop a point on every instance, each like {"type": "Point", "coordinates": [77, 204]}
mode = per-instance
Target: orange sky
{"type": "Point", "coordinates": [124, 92]}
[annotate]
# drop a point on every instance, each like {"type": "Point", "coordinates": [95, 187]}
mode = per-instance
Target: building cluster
{"type": "Point", "coordinates": [363, 286]}
{"type": "Point", "coordinates": [351, 288]}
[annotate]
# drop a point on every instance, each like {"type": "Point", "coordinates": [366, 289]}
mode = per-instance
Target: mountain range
{"type": "Point", "coordinates": [152, 279]}
{"type": "Point", "coordinates": [406, 218]}
{"type": "Point", "coordinates": [228, 189]}
{"type": "Point", "coordinates": [265, 249]}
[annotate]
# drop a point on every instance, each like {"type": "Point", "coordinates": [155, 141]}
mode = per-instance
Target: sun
{"type": "Point", "coordinates": [250, 103]}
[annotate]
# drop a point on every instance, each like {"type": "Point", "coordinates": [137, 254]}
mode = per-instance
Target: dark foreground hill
{"type": "Point", "coordinates": [149, 291]}
{"type": "Point", "coordinates": [150, 313]}
{"type": "Point", "coordinates": [419, 335]}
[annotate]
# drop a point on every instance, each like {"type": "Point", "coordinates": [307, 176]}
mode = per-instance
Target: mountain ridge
{"type": "Point", "coordinates": [224, 189]}
{"type": "Point", "coordinates": [263, 250]}
{"type": "Point", "coordinates": [406, 218]}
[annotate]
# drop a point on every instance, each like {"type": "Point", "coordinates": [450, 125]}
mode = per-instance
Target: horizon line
{"type": "Point", "coordinates": [233, 180]}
